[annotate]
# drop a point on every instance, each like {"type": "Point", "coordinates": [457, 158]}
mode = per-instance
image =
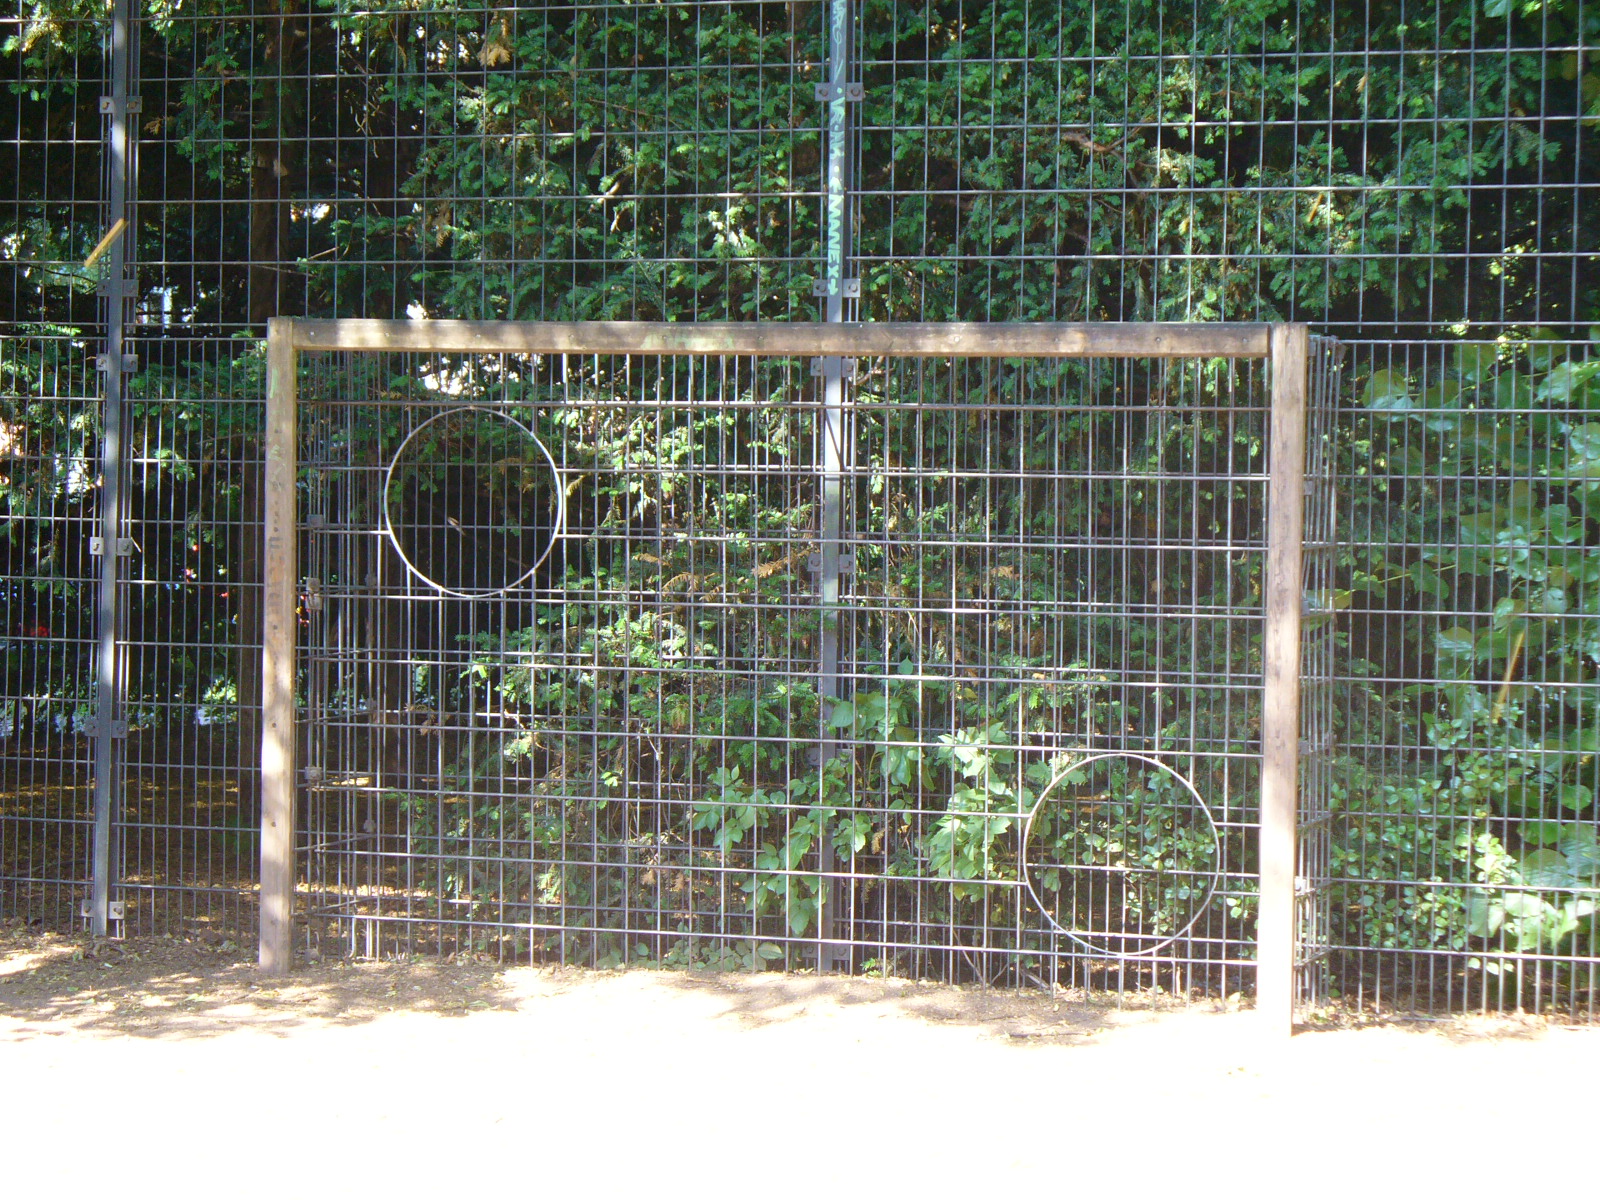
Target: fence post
{"type": "Point", "coordinates": [1276, 933]}
{"type": "Point", "coordinates": [277, 655]}
{"type": "Point", "coordinates": [119, 288]}
{"type": "Point", "coordinates": [840, 297]}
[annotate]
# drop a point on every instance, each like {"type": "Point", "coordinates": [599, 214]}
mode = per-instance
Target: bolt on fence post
{"type": "Point", "coordinates": [1280, 701]}
{"type": "Point", "coordinates": [277, 655]}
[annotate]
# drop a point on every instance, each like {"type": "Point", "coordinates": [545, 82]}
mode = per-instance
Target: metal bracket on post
{"type": "Point", "coordinates": [843, 368]}
{"type": "Point", "coordinates": [829, 92]}
{"type": "Point", "coordinates": [846, 564]}
{"type": "Point", "coordinates": [114, 910]}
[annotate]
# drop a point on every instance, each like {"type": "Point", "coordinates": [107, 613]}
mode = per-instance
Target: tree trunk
{"type": "Point", "coordinates": [276, 153]}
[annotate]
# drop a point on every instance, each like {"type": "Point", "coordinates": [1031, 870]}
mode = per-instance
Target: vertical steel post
{"type": "Point", "coordinates": [837, 93]}
{"type": "Point", "coordinates": [277, 654]}
{"type": "Point", "coordinates": [118, 291]}
{"type": "Point", "coordinates": [1276, 933]}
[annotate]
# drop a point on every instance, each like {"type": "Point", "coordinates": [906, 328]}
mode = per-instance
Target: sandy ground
{"type": "Point", "coordinates": [170, 1068]}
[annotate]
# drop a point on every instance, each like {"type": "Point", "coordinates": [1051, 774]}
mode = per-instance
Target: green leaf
{"type": "Point", "coordinates": [1520, 799]}
{"type": "Point", "coordinates": [1474, 363]}
{"type": "Point", "coordinates": [1388, 391]}
{"type": "Point", "coordinates": [1553, 601]}
{"type": "Point", "coordinates": [1527, 906]}
{"type": "Point", "coordinates": [1543, 356]}
{"type": "Point", "coordinates": [1484, 915]}
{"type": "Point", "coordinates": [1545, 868]}
{"type": "Point", "coordinates": [1496, 8]}
{"type": "Point", "coordinates": [1426, 581]}
{"type": "Point", "coordinates": [1512, 390]}
{"type": "Point", "coordinates": [1584, 442]}
{"type": "Point", "coordinates": [1567, 381]}
{"type": "Point", "coordinates": [1583, 740]}
{"type": "Point", "coordinates": [1542, 833]}
{"type": "Point", "coordinates": [1575, 797]}
{"type": "Point", "coordinates": [800, 913]}
{"type": "Point", "coordinates": [1581, 845]}
{"type": "Point", "coordinates": [1495, 644]}
{"type": "Point", "coordinates": [1442, 395]}
{"type": "Point", "coordinates": [1481, 528]}
{"type": "Point", "coordinates": [1563, 527]}
{"type": "Point", "coordinates": [1564, 922]}
{"type": "Point", "coordinates": [1455, 642]}
{"type": "Point", "coordinates": [1508, 608]}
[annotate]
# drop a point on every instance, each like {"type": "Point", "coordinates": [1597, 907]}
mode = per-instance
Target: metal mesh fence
{"type": "Point", "coordinates": [1418, 179]}
{"type": "Point", "coordinates": [575, 687]}
{"type": "Point", "coordinates": [48, 427]}
{"type": "Point", "coordinates": [188, 821]}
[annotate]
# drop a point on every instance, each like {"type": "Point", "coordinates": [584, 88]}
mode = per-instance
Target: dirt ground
{"type": "Point", "coordinates": [166, 1067]}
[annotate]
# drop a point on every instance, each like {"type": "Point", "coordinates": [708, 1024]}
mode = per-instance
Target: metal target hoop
{"type": "Point", "coordinates": [1211, 876]}
{"type": "Point", "coordinates": [557, 530]}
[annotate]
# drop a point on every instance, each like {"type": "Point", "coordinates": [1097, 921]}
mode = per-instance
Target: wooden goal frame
{"type": "Point", "coordinates": [1285, 347]}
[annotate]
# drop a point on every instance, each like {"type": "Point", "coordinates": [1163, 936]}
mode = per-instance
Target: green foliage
{"type": "Point", "coordinates": [924, 774]}
{"type": "Point", "coordinates": [1491, 849]}
{"type": "Point", "coordinates": [1019, 161]}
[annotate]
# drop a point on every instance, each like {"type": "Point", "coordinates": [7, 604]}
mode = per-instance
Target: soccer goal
{"type": "Point", "coordinates": [984, 652]}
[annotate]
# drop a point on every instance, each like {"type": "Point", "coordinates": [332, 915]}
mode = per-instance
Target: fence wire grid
{"type": "Point", "coordinates": [570, 699]}
{"type": "Point", "coordinates": [1416, 179]}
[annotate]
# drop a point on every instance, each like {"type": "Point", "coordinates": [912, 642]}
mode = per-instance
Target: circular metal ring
{"type": "Point", "coordinates": [557, 530]}
{"type": "Point", "coordinates": [1080, 938]}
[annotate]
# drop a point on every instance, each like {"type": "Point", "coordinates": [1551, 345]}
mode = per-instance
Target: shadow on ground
{"type": "Point", "coordinates": [158, 987]}
{"type": "Point", "coordinates": [189, 987]}
{"type": "Point", "coordinates": [54, 984]}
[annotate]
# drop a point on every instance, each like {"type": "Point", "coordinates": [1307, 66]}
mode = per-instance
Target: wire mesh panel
{"type": "Point", "coordinates": [1055, 618]}
{"type": "Point", "coordinates": [574, 687]}
{"type": "Point", "coordinates": [48, 466]}
{"type": "Point", "coordinates": [553, 160]}
{"type": "Point", "coordinates": [1465, 865]}
{"type": "Point", "coordinates": [1319, 717]}
{"type": "Point", "coordinates": [188, 814]}
{"type": "Point", "coordinates": [548, 605]}
{"type": "Point", "coordinates": [50, 419]}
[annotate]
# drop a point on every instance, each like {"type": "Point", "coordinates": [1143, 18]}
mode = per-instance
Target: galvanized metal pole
{"type": "Point", "coordinates": [1276, 932]}
{"type": "Point", "coordinates": [118, 290]}
{"type": "Point", "coordinates": [837, 93]}
{"type": "Point", "coordinates": [277, 655]}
